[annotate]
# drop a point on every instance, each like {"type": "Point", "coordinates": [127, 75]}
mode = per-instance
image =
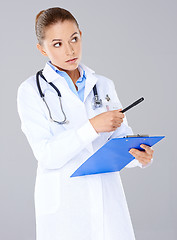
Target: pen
{"type": "Point", "coordinates": [133, 104]}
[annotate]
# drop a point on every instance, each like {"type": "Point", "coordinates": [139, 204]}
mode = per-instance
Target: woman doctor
{"type": "Point", "coordinates": [81, 208]}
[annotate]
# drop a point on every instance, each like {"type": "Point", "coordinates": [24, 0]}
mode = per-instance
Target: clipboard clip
{"type": "Point", "coordinates": [137, 135]}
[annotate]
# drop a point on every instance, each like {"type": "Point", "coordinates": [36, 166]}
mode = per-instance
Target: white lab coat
{"type": "Point", "coordinates": [80, 208]}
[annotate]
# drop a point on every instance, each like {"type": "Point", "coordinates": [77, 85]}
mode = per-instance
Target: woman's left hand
{"type": "Point", "coordinates": [143, 157]}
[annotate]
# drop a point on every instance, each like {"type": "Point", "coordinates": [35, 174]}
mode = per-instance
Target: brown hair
{"type": "Point", "coordinates": [48, 17]}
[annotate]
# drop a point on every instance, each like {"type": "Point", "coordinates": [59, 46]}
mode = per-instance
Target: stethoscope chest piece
{"type": "Point", "coordinates": [96, 102]}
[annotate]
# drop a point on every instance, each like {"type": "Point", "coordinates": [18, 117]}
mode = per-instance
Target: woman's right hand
{"type": "Point", "coordinates": [107, 121]}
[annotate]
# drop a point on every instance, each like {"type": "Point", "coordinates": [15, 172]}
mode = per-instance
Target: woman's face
{"type": "Point", "coordinates": [62, 43]}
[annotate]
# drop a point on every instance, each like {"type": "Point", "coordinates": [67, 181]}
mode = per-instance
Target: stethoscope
{"type": "Point", "coordinates": [96, 103]}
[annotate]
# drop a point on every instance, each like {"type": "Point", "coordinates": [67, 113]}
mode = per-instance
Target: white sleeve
{"type": "Point", "coordinates": [51, 151]}
{"type": "Point", "coordinates": [124, 130]}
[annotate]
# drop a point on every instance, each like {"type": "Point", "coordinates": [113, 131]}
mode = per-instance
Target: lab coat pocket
{"type": "Point", "coordinates": [47, 193]}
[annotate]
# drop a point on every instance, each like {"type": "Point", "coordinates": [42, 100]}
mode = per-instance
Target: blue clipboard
{"type": "Point", "coordinates": [114, 155]}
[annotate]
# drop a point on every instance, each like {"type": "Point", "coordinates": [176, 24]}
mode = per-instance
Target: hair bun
{"type": "Point", "coordinates": [37, 16]}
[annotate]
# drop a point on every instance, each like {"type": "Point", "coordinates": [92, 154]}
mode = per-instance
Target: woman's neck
{"type": "Point", "coordinates": [74, 75]}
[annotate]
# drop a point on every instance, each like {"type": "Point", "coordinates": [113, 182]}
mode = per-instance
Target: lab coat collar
{"type": "Point", "coordinates": [91, 80]}
{"type": "Point", "coordinates": [87, 69]}
{"type": "Point", "coordinates": [51, 75]}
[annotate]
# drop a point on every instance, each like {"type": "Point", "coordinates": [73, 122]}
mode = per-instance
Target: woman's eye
{"type": "Point", "coordinates": [74, 39]}
{"type": "Point", "coordinates": [57, 44]}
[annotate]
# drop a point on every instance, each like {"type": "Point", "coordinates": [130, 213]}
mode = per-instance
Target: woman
{"type": "Point", "coordinates": [81, 208]}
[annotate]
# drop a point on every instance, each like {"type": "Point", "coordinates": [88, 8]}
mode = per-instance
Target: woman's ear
{"type": "Point", "coordinates": [80, 33]}
{"type": "Point", "coordinates": [40, 48]}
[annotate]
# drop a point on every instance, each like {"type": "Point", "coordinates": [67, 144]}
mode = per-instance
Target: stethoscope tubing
{"type": "Point", "coordinates": [39, 73]}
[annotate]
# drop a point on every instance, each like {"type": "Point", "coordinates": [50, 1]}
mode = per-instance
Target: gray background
{"type": "Point", "coordinates": [134, 44]}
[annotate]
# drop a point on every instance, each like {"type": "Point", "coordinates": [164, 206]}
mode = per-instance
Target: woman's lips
{"type": "Point", "coordinates": [72, 60]}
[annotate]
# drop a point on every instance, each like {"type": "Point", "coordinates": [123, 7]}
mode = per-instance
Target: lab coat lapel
{"type": "Point", "coordinates": [91, 80]}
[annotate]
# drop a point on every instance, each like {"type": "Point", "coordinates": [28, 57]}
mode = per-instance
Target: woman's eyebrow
{"type": "Point", "coordinates": [61, 39]}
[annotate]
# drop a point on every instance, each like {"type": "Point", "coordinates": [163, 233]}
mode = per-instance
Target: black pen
{"type": "Point", "coordinates": [133, 104]}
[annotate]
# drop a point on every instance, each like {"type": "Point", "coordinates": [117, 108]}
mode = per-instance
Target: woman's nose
{"type": "Point", "coordinates": [69, 49]}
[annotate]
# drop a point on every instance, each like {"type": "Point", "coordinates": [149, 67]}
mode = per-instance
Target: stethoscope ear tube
{"type": "Point", "coordinates": [38, 84]}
